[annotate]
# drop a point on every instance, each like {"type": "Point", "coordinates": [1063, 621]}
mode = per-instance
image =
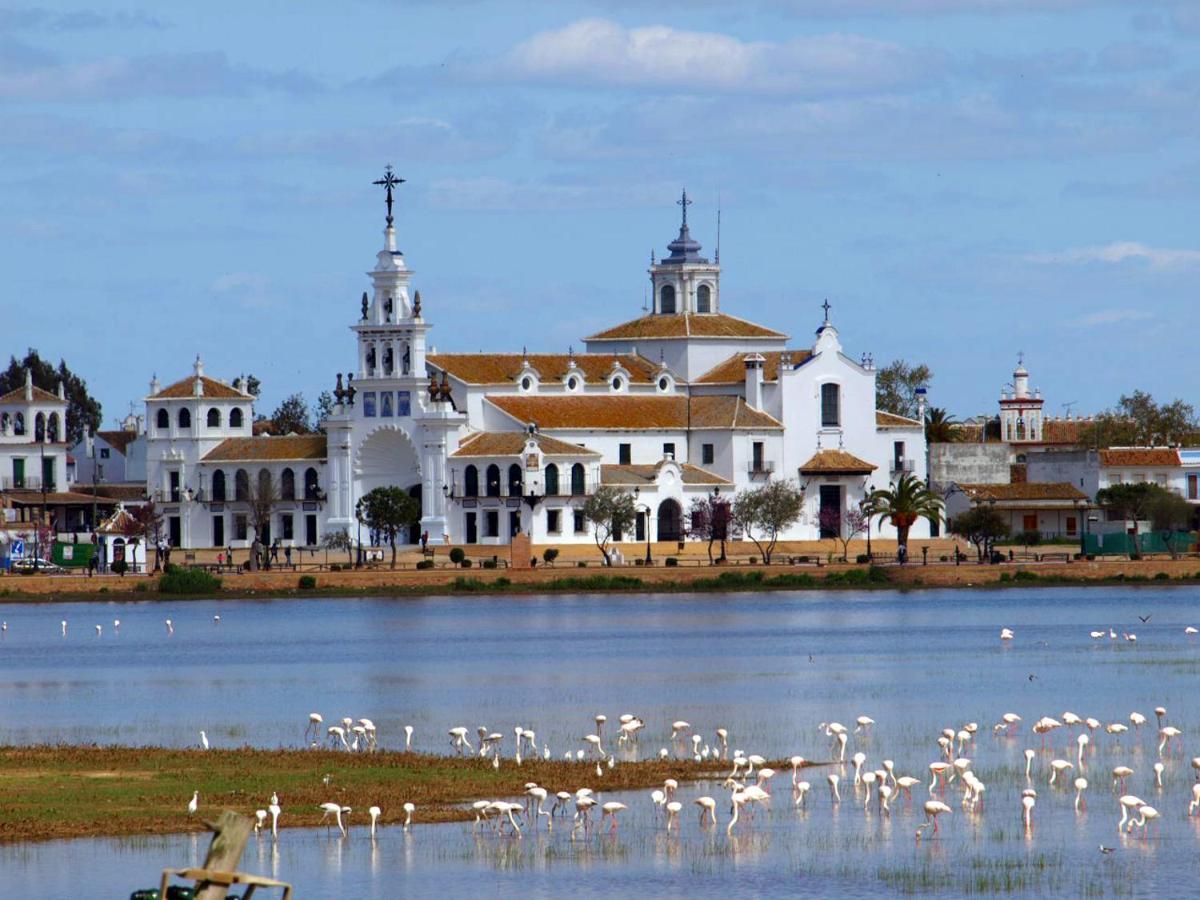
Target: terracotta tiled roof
{"type": "Point", "coordinates": [1026, 490]}
{"type": "Point", "coordinates": [659, 327]}
{"type": "Point", "coordinates": [129, 491]}
{"type": "Point", "coordinates": [646, 474]}
{"type": "Point", "coordinates": [512, 443]}
{"type": "Point", "coordinates": [836, 462]}
{"type": "Point", "coordinates": [733, 370]}
{"type": "Point", "coordinates": [30, 497]}
{"type": "Point", "coordinates": [503, 368]}
{"type": "Point", "coordinates": [118, 440]}
{"type": "Point", "coordinates": [266, 447]}
{"type": "Point", "coordinates": [1139, 456]}
{"type": "Point", "coordinates": [634, 412]}
{"type": "Point", "coordinates": [1064, 431]}
{"type": "Point", "coordinates": [891, 420]}
{"type": "Point", "coordinates": [39, 396]}
{"type": "Point", "coordinates": [211, 388]}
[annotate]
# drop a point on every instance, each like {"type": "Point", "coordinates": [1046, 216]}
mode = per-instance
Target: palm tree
{"type": "Point", "coordinates": [903, 503]}
{"type": "Point", "coordinates": [940, 426]}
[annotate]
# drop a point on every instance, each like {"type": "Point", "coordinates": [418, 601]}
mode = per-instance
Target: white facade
{"type": "Point", "coordinates": [33, 450]}
{"type": "Point", "coordinates": [685, 401]}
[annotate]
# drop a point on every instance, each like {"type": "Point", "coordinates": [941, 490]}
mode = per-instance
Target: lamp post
{"type": "Point", "coordinates": [358, 515]}
{"type": "Point", "coordinates": [865, 506]}
{"type": "Point", "coordinates": [646, 525]}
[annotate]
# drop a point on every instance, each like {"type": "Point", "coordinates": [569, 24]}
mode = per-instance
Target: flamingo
{"type": "Point", "coordinates": [841, 742]}
{"type": "Point", "coordinates": [1158, 773]}
{"type": "Point", "coordinates": [170, 627]}
{"type": "Point", "coordinates": [678, 728]}
{"type": "Point", "coordinates": [1128, 802]}
{"type": "Point", "coordinates": [1166, 733]}
{"type": "Point", "coordinates": [194, 803]}
{"type": "Point", "coordinates": [561, 799]}
{"type": "Point", "coordinates": [216, 619]}
{"type": "Point", "coordinates": [1195, 799]}
{"type": "Point", "coordinates": [274, 810]}
{"type": "Point", "coordinates": [410, 808]}
{"type": "Point", "coordinates": [933, 809]}
{"type": "Point", "coordinates": [1028, 803]}
{"type": "Point", "coordinates": [63, 625]}
{"type": "Point", "coordinates": [408, 733]}
{"type": "Point", "coordinates": [906, 783]}
{"type": "Point", "coordinates": [1011, 721]}
{"type": "Point", "coordinates": [708, 807]}
{"type": "Point", "coordinates": [374, 813]}
{"type": "Point", "coordinates": [737, 799]}
{"type": "Point", "coordinates": [594, 740]}
{"type": "Point", "coordinates": [1058, 767]}
{"type": "Point", "coordinates": [1120, 773]}
{"type": "Point", "coordinates": [833, 787]}
{"type": "Point", "coordinates": [260, 818]}
{"type": "Point", "coordinates": [723, 738]}
{"type": "Point", "coordinates": [802, 788]}
{"type": "Point", "coordinates": [1146, 815]}
{"type": "Point", "coordinates": [673, 809]}
{"type": "Point", "coordinates": [885, 795]}
{"type": "Point", "coordinates": [863, 723]}
{"type": "Point", "coordinates": [458, 739]}
{"type": "Point", "coordinates": [315, 721]}
{"type": "Point", "coordinates": [203, 740]}
{"type": "Point", "coordinates": [1160, 713]}
{"type": "Point", "coordinates": [610, 809]}
{"type": "Point", "coordinates": [335, 810]}
{"type": "Point", "coordinates": [1137, 720]}
{"type": "Point", "coordinates": [1190, 630]}
{"type": "Point", "coordinates": [1006, 634]}
{"type": "Point", "coordinates": [99, 630]}
{"type": "Point", "coordinates": [1081, 784]}
{"type": "Point", "coordinates": [857, 760]}
{"type": "Point", "coordinates": [1082, 741]}
{"type": "Point", "coordinates": [1096, 635]}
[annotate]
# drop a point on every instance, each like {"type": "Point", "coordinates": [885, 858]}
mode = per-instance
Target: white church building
{"type": "Point", "coordinates": [676, 404]}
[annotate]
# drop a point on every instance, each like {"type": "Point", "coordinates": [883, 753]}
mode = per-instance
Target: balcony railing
{"type": "Point", "coordinates": [902, 467]}
{"type": "Point", "coordinates": [760, 466]}
{"type": "Point", "coordinates": [505, 491]}
{"type": "Point", "coordinates": [28, 483]}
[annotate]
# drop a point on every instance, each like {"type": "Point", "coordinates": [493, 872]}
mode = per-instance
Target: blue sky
{"type": "Point", "coordinates": [963, 179]}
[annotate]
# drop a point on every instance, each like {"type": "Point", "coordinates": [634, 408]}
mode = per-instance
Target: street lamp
{"type": "Point", "coordinates": [358, 515]}
{"type": "Point", "coordinates": [649, 560]}
{"type": "Point", "coordinates": [865, 506]}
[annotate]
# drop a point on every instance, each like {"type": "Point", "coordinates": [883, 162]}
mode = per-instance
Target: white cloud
{"type": "Point", "coordinates": [602, 52]}
{"type": "Point", "coordinates": [1121, 252]}
{"type": "Point", "coordinates": [1113, 317]}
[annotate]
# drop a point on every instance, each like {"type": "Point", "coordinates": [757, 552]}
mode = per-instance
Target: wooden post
{"type": "Point", "coordinates": [231, 831]}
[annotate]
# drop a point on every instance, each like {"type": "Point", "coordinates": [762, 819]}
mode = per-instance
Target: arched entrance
{"type": "Point", "coordinates": [670, 518]}
{"type": "Point", "coordinates": [386, 459]}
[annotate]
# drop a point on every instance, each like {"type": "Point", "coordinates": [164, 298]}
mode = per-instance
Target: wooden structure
{"type": "Point", "coordinates": [218, 875]}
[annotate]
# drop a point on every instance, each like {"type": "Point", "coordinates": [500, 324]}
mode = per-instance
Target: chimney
{"type": "Point", "coordinates": [28, 386]}
{"type": "Point", "coordinates": [921, 403]}
{"type": "Point", "coordinates": [754, 380]}
{"type": "Point", "coordinates": [90, 443]}
{"type": "Point", "coordinates": [62, 391]}
{"type": "Point", "coordinates": [154, 386]}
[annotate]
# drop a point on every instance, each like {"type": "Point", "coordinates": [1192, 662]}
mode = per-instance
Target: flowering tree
{"type": "Point", "coordinates": [708, 520]}
{"type": "Point", "coordinates": [845, 526]}
{"type": "Point", "coordinates": [764, 512]}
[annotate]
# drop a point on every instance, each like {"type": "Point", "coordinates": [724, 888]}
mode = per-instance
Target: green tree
{"type": "Point", "coordinates": [291, 416]}
{"type": "Point", "coordinates": [609, 510]}
{"type": "Point", "coordinates": [1138, 421]}
{"type": "Point", "coordinates": [896, 387]}
{"type": "Point", "coordinates": [83, 411]}
{"type": "Point", "coordinates": [1169, 515]}
{"type": "Point", "coordinates": [339, 540]}
{"type": "Point", "coordinates": [763, 512]}
{"type": "Point", "coordinates": [324, 410]}
{"type": "Point", "coordinates": [940, 426]}
{"type": "Point", "coordinates": [903, 503]}
{"type": "Point", "coordinates": [1131, 502]}
{"type": "Point", "coordinates": [981, 525]}
{"type": "Point", "coordinates": [387, 510]}
{"type": "Point", "coordinates": [252, 385]}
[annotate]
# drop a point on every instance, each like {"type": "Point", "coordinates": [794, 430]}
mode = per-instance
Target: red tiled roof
{"type": "Point", "coordinates": [891, 420]}
{"type": "Point", "coordinates": [504, 368]}
{"type": "Point", "coordinates": [1139, 456]}
{"type": "Point", "coordinates": [119, 440]}
{"type": "Point", "coordinates": [633, 412]}
{"type": "Point", "coordinates": [210, 387]}
{"type": "Point", "coordinates": [1025, 490]}
{"type": "Point", "coordinates": [512, 443]}
{"type": "Point", "coordinates": [267, 447]}
{"type": "Point", "coordinates": [647, 474]}
{"type": "Point", "coordinates": [836, 462]}
{"type": "Point", "coordinates": [733, 369]}
{"type": "Point", "coordinates": [664, 327]}
{"type": "Point", "coordinates": [39, 396]}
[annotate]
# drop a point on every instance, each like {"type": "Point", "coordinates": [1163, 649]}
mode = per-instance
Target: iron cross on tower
{"type": "Point", "coordinates": [826, 306]}
{"type": "Point", "coordinates": [388, 182]}
{"type": "Point", "coordinates": [685, 203]}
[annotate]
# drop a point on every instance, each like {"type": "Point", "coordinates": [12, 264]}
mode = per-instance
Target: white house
{"type": "Point", "coordinates": [33, 449]}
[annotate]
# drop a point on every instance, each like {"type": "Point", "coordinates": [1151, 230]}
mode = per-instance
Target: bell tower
{"type": "Point", "coordinates": [685, 281]}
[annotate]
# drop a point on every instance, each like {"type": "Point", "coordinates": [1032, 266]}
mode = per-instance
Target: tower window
{"type": "Point", "coordinates": [162, 419]}
{"type": "Point", "coordinates": [235, 418]}
{"type": "Point", "coordinates": [831, 412]}
{"type": "Point", "coordinates": [664, 383]}
{"type": "Point", "coordinates": [704, 299]}
{"type": "Point", "coordinates": [526, 383]}
{"type": "Point", "coordinates": [617, 383]}
{"type": "Point", "coordinates": [666, 304]}
{"type": "Point", "coordinates": [572, 383]}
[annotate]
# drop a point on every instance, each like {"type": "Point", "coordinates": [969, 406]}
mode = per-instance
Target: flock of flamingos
{"type": "Point", "coordinates": [949, 780]}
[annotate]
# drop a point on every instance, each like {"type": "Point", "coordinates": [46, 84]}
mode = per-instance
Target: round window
{"type": "Point", "coordinates": [572, 383]}
{"type": "Point", "coordinates": [663, 384]}
{"type": "Point", "coordinates": [526, 383]}
{"type": "Point", "coordinates": [616, 384]}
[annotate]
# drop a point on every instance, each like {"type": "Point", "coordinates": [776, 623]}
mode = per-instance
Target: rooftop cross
{"type": "Point", "coordinates": [825, 306]}
{"type": "Point", "coordinates": [685, 203]}
{"type": "Point", "coordinates": [389, 181]}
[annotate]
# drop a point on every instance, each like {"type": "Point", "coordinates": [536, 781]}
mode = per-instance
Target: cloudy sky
{"type": "Point", "coordinates": [963, 179]}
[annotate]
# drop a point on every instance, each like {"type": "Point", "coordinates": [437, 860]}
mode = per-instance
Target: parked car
{"type": "Point", "coordinates": [27, 567]}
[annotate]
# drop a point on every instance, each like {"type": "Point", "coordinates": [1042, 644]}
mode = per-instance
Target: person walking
{"type": "Point", "coordinates": [287, 555]}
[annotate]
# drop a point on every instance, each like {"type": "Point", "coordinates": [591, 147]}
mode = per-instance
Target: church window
{"type": "Point", "coordinates": [577, 480]}
{"type": "Point", "coordinates": [617, 383]}
{"type": "Point", "coordinates": [218, 486]}
{"type": "Point", "coordinates": [312, 489]}
{"type": "Point", "coordinates": [385, 404]}
{"type": "Point", "coordinates": [572, 383]}
{"type": "Point", "coordinates": [579, 523]}
{"type": "Point", "coordinates": [52, 428]}
{"type": "Point", "coordinates": [514, 480]}
{"type": "Point", "coordinates": [831, 405]}
{"type": "Point", "coordinates": [185, 418]}
{"type": "Point", "coordinates": [235, 418]}
{"type": "Point", "coordinates": [704, 299]}
{"type": "Point", "coordinates": [287, 485]}
{"type": "Point", "coordinates": [369, 404]}
{"type": "Point", "coordinates": [163, 419]}
{"type": "Point", "coordinates": [241, 485]}
{"type": "Point", "coordinates": [493, 482]}
{"type": "Point", "coordinates": [214, 418]}
{"type": "Point", "coordinates": [1020, 429]}
{"type": "Point", "coordinates": [666, 300]}
{"type": "Point", "coordinates": [403, 403]}
{"type": "Point", "coordinates": [239, 527]}
{"type": "Point", "coordinates": [39, 427]}
{"type": "Point", "coordinates": [19, 424]}
{"type": "Point", "coordinates": [526, 383]}
{"type": "Point", "coordinates": [664, 383]}
{"type": "Point", "coordinates": [553, 523]}
{"type": "Point", "coordinates": [552, 480]}
{"type": "Point", "coordinates": [1010, 429]}
{"type": "Point", "coordinates": [706, 454]}
{"type": "Point", "coordinates": [625, 454]}
{"type": "Point", "coordinates": [471, 482]}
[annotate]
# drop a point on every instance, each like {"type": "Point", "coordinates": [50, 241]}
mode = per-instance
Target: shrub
{"type": "Point", "coordinates": [1004, 576]}
{"type": "Point", "coordinates": [120, 567]}
{"type": "Point", "coordinates": [1022, 575]}
{"type": "Point", "coordinates": [103, 590]}
{"type": "Point", "coordinates": [307, 582]}
{"type": "Point", "coordinates": [488, 564]}
{"type": "Point", "coordinates": [188, 581]}
{"type": "Point", "coordinates": [582, 564]}
{"type": "Point", "coordinates": [457, 555]}
{"type": "Point", "coordinates": [335, 567]}
{"type": "Point", "coordinates": [467, 563]}
{"type": "Point", "coordinates": [802, 559]}
{"type": "Point", "coordinates": [1030, 538]}
{"type": "Point", "coordinates": [672, 561]}
{"type": "Point", "coordinates": [425, 564]}
{"type": "Point", "coordinates": [141, 587]}
{"type": "Point", "coordinates": [502, 582]}
{"type": "Point", "coordinates": [1161, 576]}
{"type": "Point", "coordinates": [862, 559]}
{"type": "Point", "coordinates": [754, 560]}
{"type": "Point", "coordinates": [550, 554]}
{"type": "Point", "coordinates": [944, 558]}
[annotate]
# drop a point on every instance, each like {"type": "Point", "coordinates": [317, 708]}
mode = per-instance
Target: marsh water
{"type": "Point", "coordinates": [768, 667]}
